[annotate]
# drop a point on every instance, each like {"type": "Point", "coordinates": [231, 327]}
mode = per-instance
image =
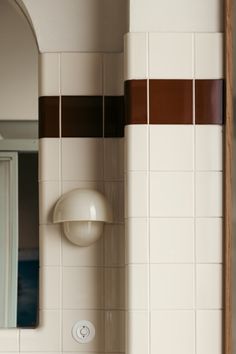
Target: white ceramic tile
{"type": "Point", "coordinates": [113, 66]}
{"type": "Point", "coordinates": [49, 74]}
{"type": "Point", "coordinates": [209, 286]}
{"type": "Point", "coordinates": [114, 331]}
{"type": "Point", "coordinates": [137, 324]}
{"type": "Point", "coordinates": [114, 191]}
{"type": "Point", "coordinates": [81, 74]}
{"type": "Point", "coordinates": [114, 159]}
{"type": "Point", "coordinates": [83, 288]}
{"type": "Point", "coordinates": [49, 290]}
{"type": "Point", "coordinates": [171, 147]}
{"type": "Point", "coordinates": [209, 147]}
{"type": "Point", "coordinates": [136, 241]}
{"type": "Point", "coordinates": [172, 332]}
{"type": "Point", "coordinates": [171, 240]}
{"type": "Point", "coordinates": [50, 244]}
{"type": "Point", "coordinates": [70, 317]}
{"type": "Point", "coordinates": [209, 240]}
{"type": "Point", "coordinates": [49, 193]}
{"type": "Point", "coordinates": [171, 55]}
{"type": "Point", "coordinates": [171, 194]}
{"type": "Point", "coordinates": [69, 185]}
{"type": "Point", "coordinates": [49, 159]}
{"type": "Point", "coordinates": [172, 286]}
{"type": "Point", "coordinates": [137, 287]}
{"type": "Point", "coordinates": [9, 340]}
{"type": "Point", "coordinates": [82, 256]}
{"type": "Point", "coordinates": [135, 56]}
{"type": "Point", "coordinates": [82, 159]}
{"type": "Point", "coordinates": [209, 199]}
{"type": "Point", "coordinates": [136, 194]}
{"type": "Point", "coordinates": [136, 158]}
{"type": "Point", "coordinates": [114, 244]}
{"type": "Point", "coordinates": [115, 288]}
{"type": "Point", "coordinates": [176, 16]}
{"type": "Point", "coordinates": [209, 332]}
{"type": "Point", "coordinates": [46, 337]}
{"type": "Point", "coordinates": [209, 55]}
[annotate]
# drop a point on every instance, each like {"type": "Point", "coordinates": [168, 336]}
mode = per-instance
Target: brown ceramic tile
{"type": "Point", "coordinates": [49, 117]}
{"type": "Point", "coordinates": [136, 102]}
{"type": "Point", "coordinates": [209, 101]}
{"type": "Point", "coordinates": [114, 116]}
{"type": "Point", "coordinates": [82, 116]}
{"type": "Point", "coordinates": [171, 102]}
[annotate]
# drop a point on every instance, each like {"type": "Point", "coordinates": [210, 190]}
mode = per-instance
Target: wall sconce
{"type": "Point", "coordinates": [83, 213]}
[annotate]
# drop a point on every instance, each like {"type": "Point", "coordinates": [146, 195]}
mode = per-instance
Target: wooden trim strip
{"type": "Point", "coordinates": [227, 320]}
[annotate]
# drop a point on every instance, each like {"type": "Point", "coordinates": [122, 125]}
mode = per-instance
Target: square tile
{"type": "Point", "coordinates": [135, 55]}
{"type": "Point", "coordinates": [136, 158]}
{"type": "Point", "coordinates": [172, 286]}
{"type": "Point", "coordinates": [115, 288]}
{"type": "Point", "coordinates": [113, 72]}
{"type": "Point", "coordinates": [83, 288]}
{"type": "Point", "coordinates": [171, 194]}
{"type": "Point", "coordinates": [172, 332]}
{"type": "Point", "coordinates": [209, 286]}
{"type": "Point", "coordinates": [209, 240]}
{"type": "Point", "coordinates": [171, 240]}
{"type": "Point", "coordinates": [209, 338]}
{"type": "Point", "coordinates": [50, 245]}
{"type": "Point", "coordinates": [171, 147]}
{"type": "Point", "coordinates": [209, 194]}
{"type": "Point", "coordinates": [91, 256]}
{"type": "Point", "coordinates": [209, 147]}
{"type": "Point", "coordinates": [137, 324]}
{"type": "Point", "coordinates": [114, 191]}
{"type": "Point", "coordinates": [49, 117]}
{"type": "Point", "coordinates": [137, 287]}
{"type": "Point", "coordinates": [49, 159]}
{"type": "Point", "coordinates": [49, 290]}
{"type": "Point", "coordinates": [209, 53]}
{"type": "Point", "coordinates": [171, 55]}
{"type": "Point", "coordinates": [46, 337]}
{"type": "Point", "coordinates": [114, 116]}
{"type": "Point", "coordinates": [136, 204]}
{"type": "Point", "coordinates": [82, 116]}
{"type": "Point", "coordinates": [73, 184]}
{"type": "Point", "coordinates": [136, 241]}
{"type": "Point", "coordinates": [209, 101]}
{"type": "Point", "coordinates": [82, 159]}
{"type": "Point", "coordinates": [136, 102]}
{"type": "Point", "coordinates": [9, 340]}
{"type": "Point", "coordinates": [114, 245]}
{"type": "Point", "coordinates": [81, 74]}
{"type": "Point", "coordinates": [114, 159]}
{"type": "Point", "coordinates": [171, 101]}
{"type": "Point", "coordinates": [49, 74]}
{"type": "Point", "coordinates": [114, 331]}
{"type": "Point", "coordinates": [70, 317]}
{"type": "Point", "coordinates": [49, 193]}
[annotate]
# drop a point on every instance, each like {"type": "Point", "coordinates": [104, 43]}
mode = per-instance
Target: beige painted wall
{"type": "Point", "coordinates": [18, 65]}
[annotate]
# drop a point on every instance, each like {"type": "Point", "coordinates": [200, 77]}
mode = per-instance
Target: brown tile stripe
{"type": "Point", "coordinates": [209, 101]}
{"type": "Point", "coordinates": [171, 101]}
{"type": "Point", "coordinates": [82, 116]}
{"type": "Point", "coordinates": [136, 102]}
{"type": "Point", "coordinates": [114, 116]}
{"type": "Point", "coordinates": [49, 117]}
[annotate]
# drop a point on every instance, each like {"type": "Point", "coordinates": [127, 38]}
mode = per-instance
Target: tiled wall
{"type": "Point", "coordinates": [173, 178]}
{"type": "Point", "coordinates": [81, 128]}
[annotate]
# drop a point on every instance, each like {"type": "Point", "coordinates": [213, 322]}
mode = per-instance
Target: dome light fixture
{"type": "Point", "coordinates": [83, 213]}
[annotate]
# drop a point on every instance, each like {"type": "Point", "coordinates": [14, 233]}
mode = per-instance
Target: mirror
{"type": "Point", "coordinates": [19, 224]}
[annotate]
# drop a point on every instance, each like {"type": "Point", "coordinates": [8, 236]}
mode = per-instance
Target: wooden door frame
{"type": "Point", "coordinates": [228, 162]}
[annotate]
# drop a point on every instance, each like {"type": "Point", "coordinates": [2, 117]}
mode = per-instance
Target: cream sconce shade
{"type": "Point", "coordinates": [83, 213]}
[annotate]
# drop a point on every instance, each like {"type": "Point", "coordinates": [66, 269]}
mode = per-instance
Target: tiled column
{"type": "Point", "coordinates": [173, 139]}
{"type": "Point", "coordinates": [81, 129]}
